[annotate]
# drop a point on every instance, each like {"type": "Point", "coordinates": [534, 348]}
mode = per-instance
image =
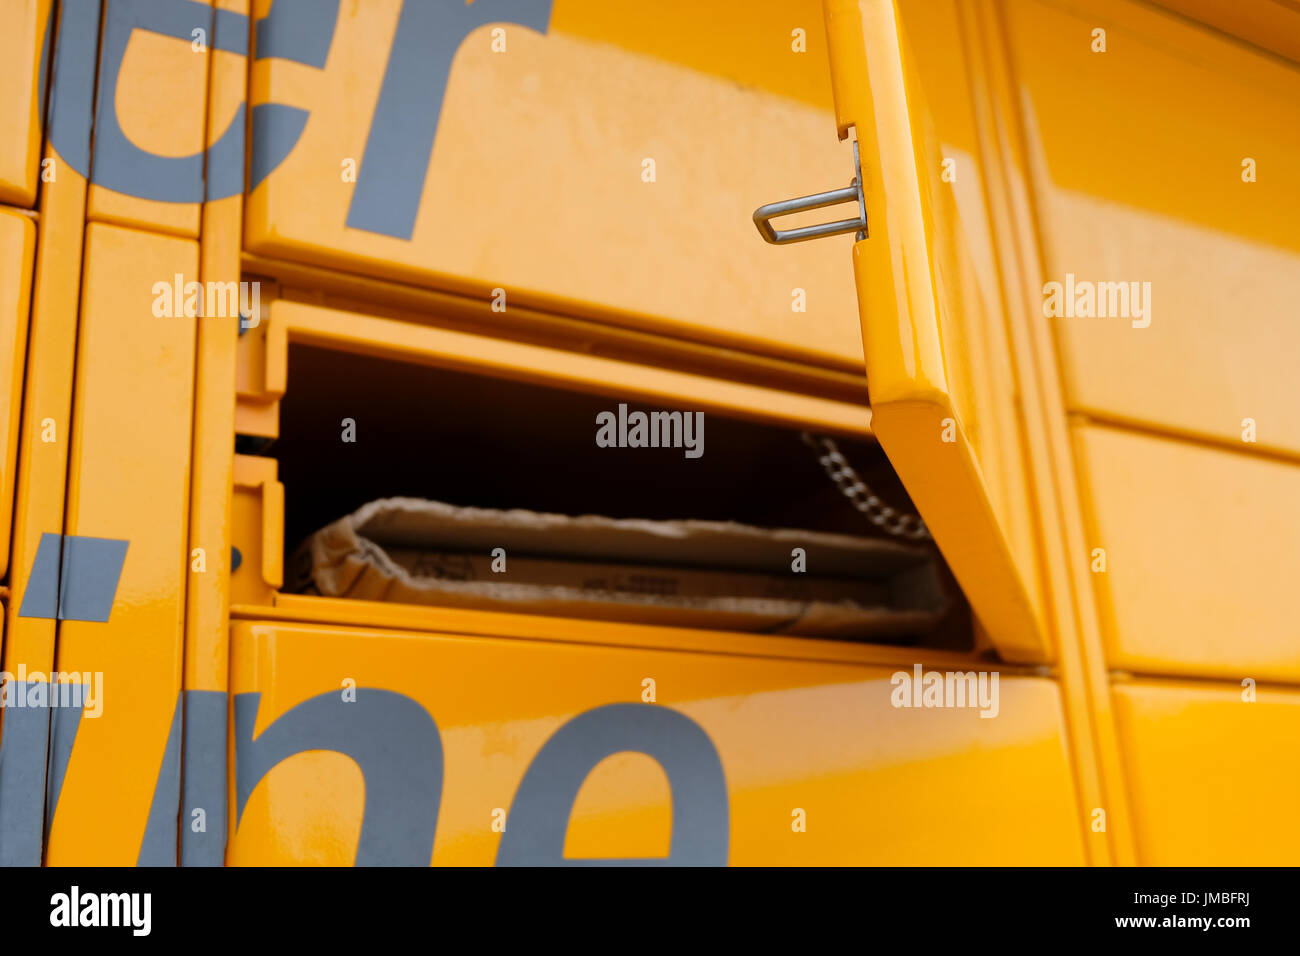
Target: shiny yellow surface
{"type": "Point", "coordinates": [1131, 211]}
{"type": "Point", "coordinates": [979, 359]}
{"type": "Point", "coordinates": [1193, 508]}
{"type": "Point", "coordinates": [876, 782]}
{"type": "Point", "coordinates": [535, 182]}
{"type": "Point", "coordinates": [1137, 158]}
{"type": "Point", "coordinates": [260, 370]}
{"type": "Point", "coordinates": [129, 478]}
{"type": "Point", "coordinates": [320, 285]}
{"type": "Point", "coordinates": [47, 405]}
{"type": "Point", "coordinates": [256, 528]}
{"type": "Point", "coordinates": [1085, 683]}
{"type": "Point", "coordinates": [207, 597]}
{"type": "Point", "coordinates": [21, 42]}
{"type": "Point", "coordinates": [1211, 775]}
{"type": "Point", "coordinates": [405, 341]}
{"type": "Point", "coordinates": [17, 252]}
{"type": "Point", "coordinates": [1226, 340]}
{"type": "Point", "coordinates": [161, 106]}
{"type": "Point", "coordinates": [916, 317]}
{"type": "Point", "coordinates": [1273, 25]}
{"type": "Point", "coordinates": [370, 615]}
{"type": "Point", "coordinates": [1069, 433]}
{"type": "Point", "coordinates": [1196, 582]}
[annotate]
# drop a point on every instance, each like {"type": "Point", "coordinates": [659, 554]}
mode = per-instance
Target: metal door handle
{"type": "Point", "coordinates": [764, 215]}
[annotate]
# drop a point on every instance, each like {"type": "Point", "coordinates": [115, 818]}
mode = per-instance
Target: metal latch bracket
{"type": "Point", "coordinates": [764, 215]}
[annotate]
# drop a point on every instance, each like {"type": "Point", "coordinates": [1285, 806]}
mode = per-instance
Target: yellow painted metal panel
{"type": "Point", "coordinates": [1201, 552]}
{"type": "Point", "coordinates": [43, 467]}
{"type": "Point", "coordinates": [261, 372]}
{"type": "Point", "coordinates": [208, 595]}
{"type": "Point", "coordinates": [1271, 24]}
{"type": "Point", "coordinates": [369, 615]}
{"type": "Point", "coordinates": [874, 782]}
{"type": "Point", "coordinates": [537, 180]}
{"type": "Point", "coordinates": [1053, 500]}
{"type": "Point", "coordinates": [289, 321]}
{"type": "Point", "coordinates": [159, 103]}
{"type": "Point", "coordinates": [1212, 776]}
{"type": "Point", "coordinates": [1170, 161]}
{"type": "Point", "coordinates": [257, 530]}
{"type": "Point", "coordinates": [24, 79]}
{"type": "Point", "coordinates": [47, 389]}
{"type": "Point", "coordinates": [985, 378]}
{"type": "Point", "coordinates": [17, 254]}
{"type": "Point", "coordinates": [129, 481]}
{"type": "Point", "coordinates": [918, 321]}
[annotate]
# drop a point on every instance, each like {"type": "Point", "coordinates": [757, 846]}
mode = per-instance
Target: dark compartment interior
{"type": "Point", "coordinates": [474, 440]}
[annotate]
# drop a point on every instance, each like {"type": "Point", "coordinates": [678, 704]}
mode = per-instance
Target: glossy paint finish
{"type": "Point", "coordinates": [1055, 450]}
{"type": "Point", "coordinates": [1058, 524]}
{"type": "Point", "coordinates": [17, 253]}
{"type": "Point", "coordinates": [41, 479]}
{"type": "Point", "coordinates": [160, 104]}
{"type": "Point", "coordinates": [1196, 582]}
{"type": "Point", "coordinates": [257, 529]}
{"type": "Point", "coordinates": [355, 331]}
{"type": "Point", "coordinates": [1189, 474]}
{"type": "Point", "coordinates": [1067, 164]}
{"type": "Point", "coordinates": [1210, 771]}
{"type": "Point", "coordinates": [129, 480]}
{"type": "Point", "coordinates": [1126, 170]}
{"type": "Point", "coordinates": [916, 319]}
{"type": "Point", "coordinates": [1272, 25]}
{"type": "Point", "coordinates": [875, 782]}
{"type": "Point", "coordinates": [207, 598]}
{"type": "Point", "coordinates": [535, 179]}
{"type": "Point", "coordinates": [261, 364]}
{"type": "Point", "coordinates": [22, 47]}
{"type": "Point", "coordinates": [1137, 157]}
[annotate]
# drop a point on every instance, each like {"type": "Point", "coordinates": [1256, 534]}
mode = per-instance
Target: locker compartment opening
{"type": "Point", "coordinates": [471, 441]}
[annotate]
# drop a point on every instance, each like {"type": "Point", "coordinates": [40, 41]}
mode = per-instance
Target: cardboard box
{"type": "Point", "coordinates": [679, 573]}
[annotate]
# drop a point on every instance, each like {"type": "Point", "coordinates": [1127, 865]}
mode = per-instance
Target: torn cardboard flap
{"type": "Point", "coordinates": [684, 573]}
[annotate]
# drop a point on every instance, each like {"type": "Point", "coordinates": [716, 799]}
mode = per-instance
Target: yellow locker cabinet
{"type": "Point", "coordinates": [558, 194]}
{"type": "Point", "coordinates": [563, 154]}
{"type": "Point", "coordinates": [1208, 767]}
{"type": "Point", "coordinates": [372, 746]}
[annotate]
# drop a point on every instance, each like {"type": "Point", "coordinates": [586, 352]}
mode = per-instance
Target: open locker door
{"type": "Point", "coordinates": [931, 364]}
